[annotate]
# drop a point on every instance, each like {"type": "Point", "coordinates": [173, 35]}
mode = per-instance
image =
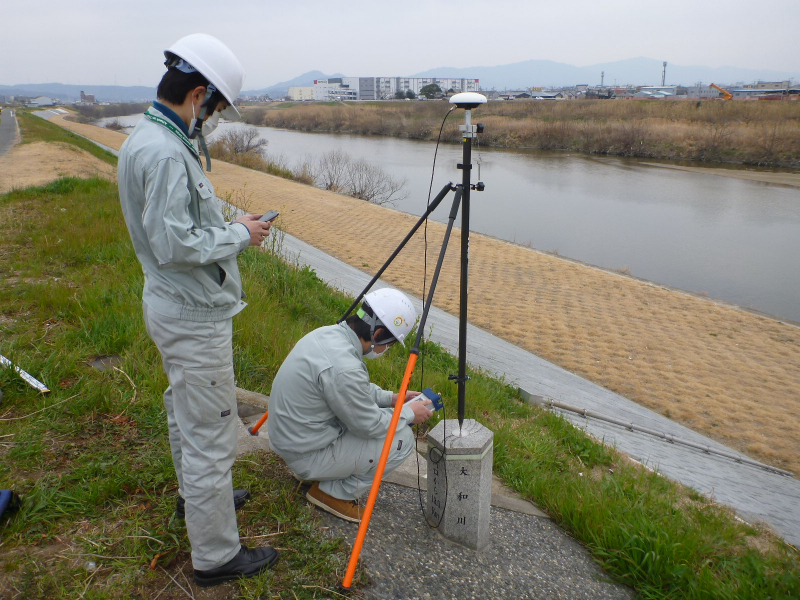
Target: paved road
{"type": "Point", "coordinates": [756, 494]}
{"type": "Point", "coordinates": [8, 130]}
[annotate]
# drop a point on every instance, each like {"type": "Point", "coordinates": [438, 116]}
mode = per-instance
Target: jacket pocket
{"type": "Point", "coordinates": [211, 394]}
{"type": "Point", "coordinates": [206, 204]}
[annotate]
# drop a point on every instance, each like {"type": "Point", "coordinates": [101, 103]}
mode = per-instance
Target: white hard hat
{"type": "Point", "coordinates": [394, 310]}
{"type": "Point", "coordinates": [216, 62]}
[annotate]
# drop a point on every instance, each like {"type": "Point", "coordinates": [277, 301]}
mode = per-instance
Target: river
{"type": "Point", "coordinates": [734, 240]}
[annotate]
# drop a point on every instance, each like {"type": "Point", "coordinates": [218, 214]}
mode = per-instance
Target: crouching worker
{"type": "Point", "coordinates": [327, 421]}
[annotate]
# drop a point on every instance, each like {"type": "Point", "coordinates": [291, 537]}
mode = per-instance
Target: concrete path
{"type": "Point", "coordinates": [528, 556]}
{"type": "Point", "coordinates": [756, 494]}
{"type": "Point", "coordinates": [8, 130]}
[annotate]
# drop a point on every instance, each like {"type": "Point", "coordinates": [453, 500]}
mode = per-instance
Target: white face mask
{"type": "Point", "coordinates": [372, 354]}
{"type": "Point", "coordinates": [211, 124]}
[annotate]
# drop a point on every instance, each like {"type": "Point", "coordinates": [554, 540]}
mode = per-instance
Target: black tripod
{"type": "Point", "coordinates": [467, 101]}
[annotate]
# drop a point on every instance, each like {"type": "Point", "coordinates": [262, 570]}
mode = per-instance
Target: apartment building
{"type": "Point", "coordinates": [384, 88]}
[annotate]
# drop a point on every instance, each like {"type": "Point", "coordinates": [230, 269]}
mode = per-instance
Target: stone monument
{"type": "Point", "coordinates": [460, 481]}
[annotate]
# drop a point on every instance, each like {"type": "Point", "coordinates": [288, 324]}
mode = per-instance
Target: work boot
{"type": "Point", "coordinates": [349, 510]}
{"type": "Point", "coordinates": [240, 498]}
{"type": "Point", "coordinates": [249, 562]}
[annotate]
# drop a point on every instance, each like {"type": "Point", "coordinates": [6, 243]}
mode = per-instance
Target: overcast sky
{"type": "Point", "coordinates": [106, 42]}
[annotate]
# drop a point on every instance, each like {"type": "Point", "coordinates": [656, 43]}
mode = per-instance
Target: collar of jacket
{"type": "Point", "coordinates": [167, 112]}
{"type": "Point", "coordinates": [155, 116]}
{"type": "Point", "coordinates": [354, 339]}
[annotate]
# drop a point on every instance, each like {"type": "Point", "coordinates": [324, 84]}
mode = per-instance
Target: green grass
{"type": "Point", "coordinates": [36, 129]}
{"type": "Point", "coordinates": [96, 473]}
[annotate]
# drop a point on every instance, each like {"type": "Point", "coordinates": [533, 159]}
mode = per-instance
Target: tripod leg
{"type": "Point", "coordinates": [398, 408]}
{"type": "Point", "coordinates": [388, 262]}
{"type": "Point", "coordinates": [427, 306]}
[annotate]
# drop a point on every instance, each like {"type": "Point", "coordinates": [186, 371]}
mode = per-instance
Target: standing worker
{"type": "Point", "coordinates": [192, 289]}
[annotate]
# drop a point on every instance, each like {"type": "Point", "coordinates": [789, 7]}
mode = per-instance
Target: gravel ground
{"type": "Point", "coordinates": [528, 558]}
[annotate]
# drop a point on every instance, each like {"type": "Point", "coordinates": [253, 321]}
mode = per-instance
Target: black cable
{"type": "Point", "coordinates": [422, 362]}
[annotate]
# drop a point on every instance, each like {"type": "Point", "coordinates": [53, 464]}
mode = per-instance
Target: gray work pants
{"type": "Point", "coordinates": [201, 414]}
{"type": "Point", "coordinates": [346, 467]}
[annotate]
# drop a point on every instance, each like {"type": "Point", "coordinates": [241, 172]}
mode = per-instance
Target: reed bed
{"type": "Point", "coordinates": [737, 132]}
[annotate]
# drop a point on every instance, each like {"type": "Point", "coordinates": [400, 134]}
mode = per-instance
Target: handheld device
{"type": "Point", "coordinates": [270, 216]}
{"type": "Point", "coordinates": [429, 394]}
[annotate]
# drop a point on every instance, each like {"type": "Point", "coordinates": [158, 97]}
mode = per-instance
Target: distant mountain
{"type": "Point", "coordinates": [282, 89]}
{"type": "Point", "coordinates": [634, 71]}
{"type": "Point", "coordinates": [529, 73]}
{"type": "Point", "coordinates": [70, 93]}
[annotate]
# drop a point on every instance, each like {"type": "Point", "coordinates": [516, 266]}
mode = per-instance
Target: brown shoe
{"type": "Point", "coordinates": [349, 510]}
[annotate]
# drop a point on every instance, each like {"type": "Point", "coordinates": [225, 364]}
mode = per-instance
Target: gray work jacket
{"type": "Point", "coordinates": [187, 250]}
{"type": "Point", "coordinates": [323, 390]}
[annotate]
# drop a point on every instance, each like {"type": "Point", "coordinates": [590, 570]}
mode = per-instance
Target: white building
{"type": "Point", "coordinates": [42, 101]}
{"type": "Point", "coordinates": [385, 88]}
{"type": "Point", "coordinates": [701, 91]}
{"type": "Point", "coordinates": [336, 88]}
{"type": "Point", "coordinates": [301, 93]}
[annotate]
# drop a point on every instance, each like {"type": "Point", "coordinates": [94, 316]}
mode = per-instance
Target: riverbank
{"type": "Point", "coordinates": [99, 489]}
{"type": "Point", "coordinates": [724, 372]}
{"type": "Point", "coordinates": [751, 133]}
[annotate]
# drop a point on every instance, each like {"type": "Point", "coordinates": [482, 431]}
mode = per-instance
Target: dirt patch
{"type": "Point", "coordinates": [718, 370]}
{"type": "Point", "coordinates": [42, 162]}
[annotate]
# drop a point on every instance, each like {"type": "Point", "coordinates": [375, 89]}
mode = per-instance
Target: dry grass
{"type": "Point", "coordinates": [729, 374]}
{"type": "Point", "coordinates": [758, 133]}
{"type": "Point", "coordinates": [42, 162]}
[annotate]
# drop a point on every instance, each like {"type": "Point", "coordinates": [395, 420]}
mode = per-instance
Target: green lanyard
{"type": "Point", "coordinates": [167, 124]}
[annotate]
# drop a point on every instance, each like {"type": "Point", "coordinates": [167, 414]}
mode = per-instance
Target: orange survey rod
{"type": "Point", "coordinates": [254, 429]}
{"type": "Point", "coordinates": [376, 482]}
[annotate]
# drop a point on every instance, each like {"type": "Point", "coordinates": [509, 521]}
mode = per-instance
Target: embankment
{"type": "Point", "coordinates": [724, 372]}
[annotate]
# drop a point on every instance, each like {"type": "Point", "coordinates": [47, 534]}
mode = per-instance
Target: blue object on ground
{"type": "Point", "coordinates": [9, 501]}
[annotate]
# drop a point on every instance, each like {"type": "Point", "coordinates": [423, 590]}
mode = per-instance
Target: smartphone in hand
{"type": "Point", "coordinates": [270, 216]}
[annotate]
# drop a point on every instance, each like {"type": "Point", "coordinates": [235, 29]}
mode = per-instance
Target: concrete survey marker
{"type": "Point", "coordinates": [460, 481]}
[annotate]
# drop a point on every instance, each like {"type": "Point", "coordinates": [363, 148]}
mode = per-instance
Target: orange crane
{"type": "Point", "coordinates": [726, 95]}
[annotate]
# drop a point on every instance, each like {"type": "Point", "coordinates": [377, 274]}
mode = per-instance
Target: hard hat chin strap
{"type": "Point", "coordinates": [196, 129]}
{"type": "Point", "coordinates": [373, 323]}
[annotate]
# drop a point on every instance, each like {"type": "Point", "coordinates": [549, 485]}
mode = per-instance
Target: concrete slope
{"type": "Point", "coordinates": [756, 494]}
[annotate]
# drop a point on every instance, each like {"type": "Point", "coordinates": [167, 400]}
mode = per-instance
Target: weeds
{"type": "Point", "coordinates": [96, 474]}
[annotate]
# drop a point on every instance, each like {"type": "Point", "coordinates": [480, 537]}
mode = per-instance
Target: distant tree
{"type": "Point", "coordinates": [239, 141]}
{"type": "Point", "coordinates": [431, 91]}
{"type": "Point", "coordinates": [410, 95]}
{"type": "Point", "coordinates": [399, 95]}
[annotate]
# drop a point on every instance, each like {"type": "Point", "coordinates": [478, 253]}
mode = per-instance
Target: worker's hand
{"type": "Point", "coordinates": [258, 229]}
{"type": "Point", "coordinates": [422, 411]}
{"type": "Point", "coordinates": [409, 396]}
